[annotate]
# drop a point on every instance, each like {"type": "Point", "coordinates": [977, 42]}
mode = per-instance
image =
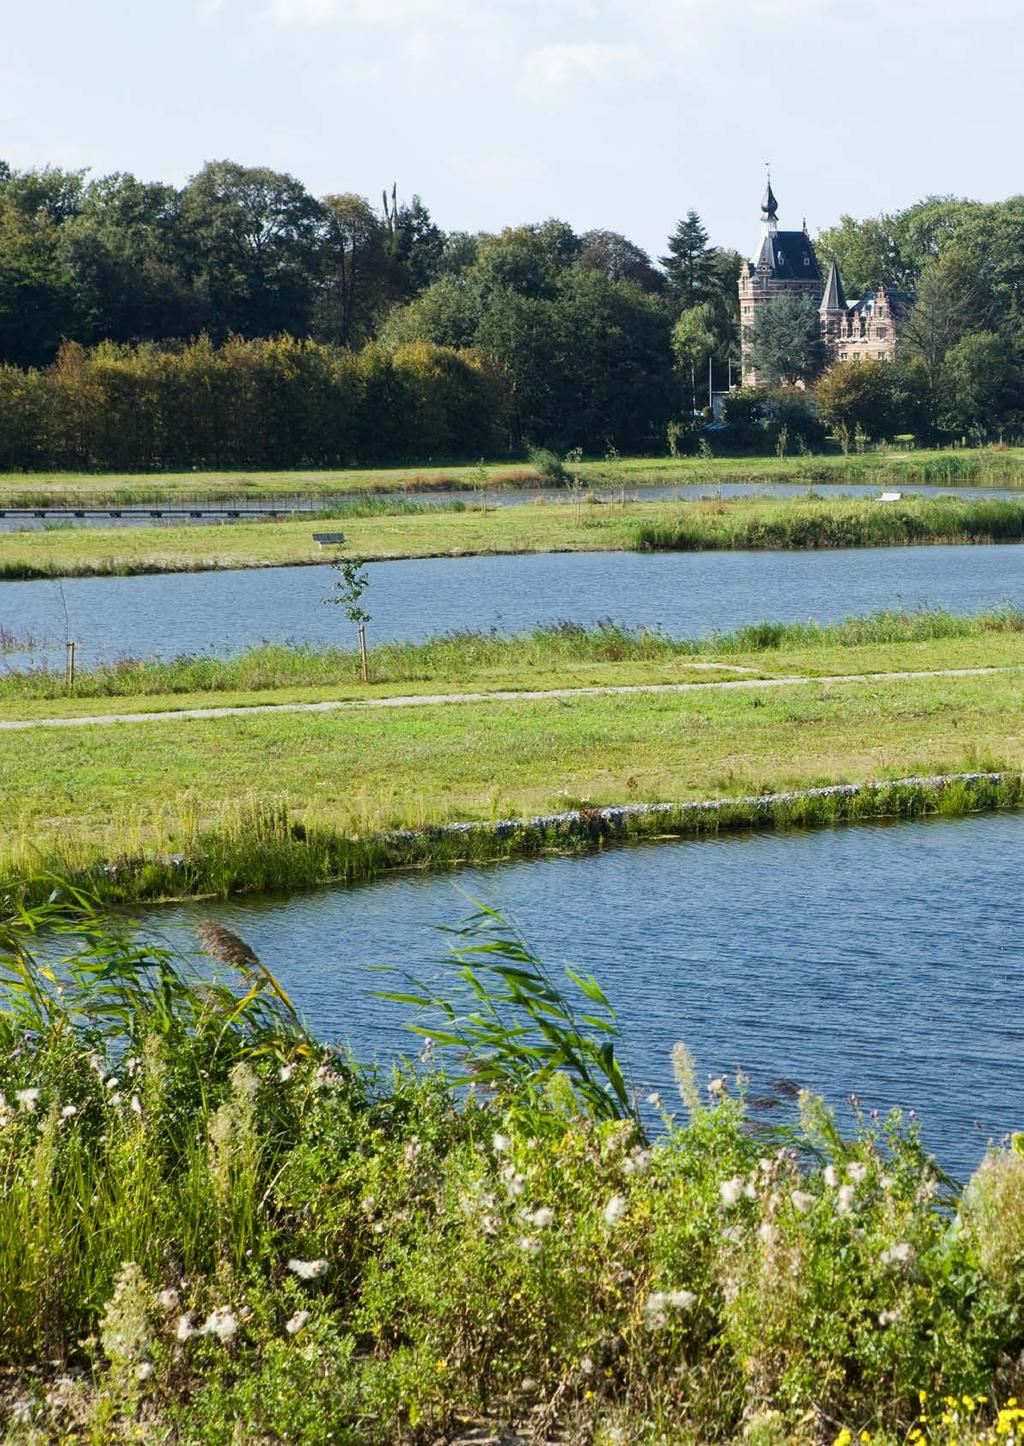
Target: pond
{"type": "Point", "coordinates": [884, 961]}
{"type": "Point", "coordinates": [686, 594]}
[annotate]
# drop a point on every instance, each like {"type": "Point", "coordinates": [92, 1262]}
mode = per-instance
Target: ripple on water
{"type": "Point", "coordinates": [882, 960]}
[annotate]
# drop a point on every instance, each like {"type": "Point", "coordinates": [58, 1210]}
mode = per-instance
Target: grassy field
{"type": "Point", "coordinates": [269, 800]}
{"type": "Point", "coordinates": [562, 656]}
{"type": "Point", "coordinates": [686, 526]}
{"type": "Point", "coordinates": [1000, 467]}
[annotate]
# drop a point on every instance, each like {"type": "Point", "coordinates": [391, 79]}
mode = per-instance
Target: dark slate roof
{"type": "Point", "coordinates": [790, 255]}
{"type": "Point", "coordinates": [835, 297]}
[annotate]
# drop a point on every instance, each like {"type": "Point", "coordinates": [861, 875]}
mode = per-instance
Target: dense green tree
{"type": "Point", "coordinates": [251, 235]}
{"type": "Point", "coordinates": [50, 190]}
{"type": "Point", "coordinates": [694, 341]}
{"type": "Point", "coordinates": [981, 386]}
{"type": "Point", "coordinates": [357, 271]}
{"type": "Point", "coordinates": [690, 263]}
{"type": "Point", "coordinates": [526, 260]}
{"type": "Point", "coordinates": [415, 244]}
{"type": "Point", "coordinates": [447, 313]}
{"type": "Point", "coordinates": [785, 342]}
{"type": "Point", "coordinates": [619, 259]}
{"type": "Point", "coordinates": [953, 298]}
{"type": "Point", "coordinates": [859, 398]}
{"type": "Point", "coordinates": [124, 250]}
{"type": "Point", "coordinates": [37, 298]}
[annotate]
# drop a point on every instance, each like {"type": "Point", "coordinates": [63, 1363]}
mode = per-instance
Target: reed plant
{"type": "Point", "coordinates": [818, 524]}
{"type": "Point", "coordinates": [458, 656]}
{"type": "Point", "coordinates": [214, 1228]}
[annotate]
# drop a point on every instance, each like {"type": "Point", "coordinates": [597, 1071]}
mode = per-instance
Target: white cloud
{"type": "Point", "coordinates": [559, 71]}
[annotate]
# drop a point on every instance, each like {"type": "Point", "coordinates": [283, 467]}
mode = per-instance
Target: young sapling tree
{"type": "Point", "coordinates": [349, 586]}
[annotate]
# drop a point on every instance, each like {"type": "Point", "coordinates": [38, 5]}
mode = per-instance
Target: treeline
{"type": "Point", "coordinates": [580, 327]}
{"type": "Point", "coordinates": [588, 341]}
{"type": "Point", "coordinates": [260, 404]}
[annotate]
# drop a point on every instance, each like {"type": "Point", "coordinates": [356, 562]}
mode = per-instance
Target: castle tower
{"type": "Point", "coordinates": [834, 309]}
{"type": "Point", "coordinates": [785, 266]}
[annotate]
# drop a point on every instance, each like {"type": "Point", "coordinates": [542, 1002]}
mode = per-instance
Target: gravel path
{"type": "Point", "coordinates": [422, 700]}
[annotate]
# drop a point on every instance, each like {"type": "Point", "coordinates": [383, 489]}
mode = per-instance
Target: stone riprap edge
{"type": "Point", "coordinates": [838, 802]}
{"type": "Point", "coordinates": [269, 851]}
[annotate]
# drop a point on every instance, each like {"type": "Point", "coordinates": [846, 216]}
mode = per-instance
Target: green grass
{"type": "Point", "coordinates": [282, 800]}
{"type": "Point", "coordinates": [992, 466]}
{"type": "Point", "coordinates": [216, 1229]}
{"type": "Point", "coordinates": [761, 522]}
{"type": "Point", "coordinates": [557, 656]}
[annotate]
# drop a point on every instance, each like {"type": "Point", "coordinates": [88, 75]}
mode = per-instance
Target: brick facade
{"type": "Point", "coordinates": [787, 266]}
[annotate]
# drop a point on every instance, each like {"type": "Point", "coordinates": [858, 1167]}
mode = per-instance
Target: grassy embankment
{"type": "Point", "coordinates": [677, 525]}
{"type": "Point", "coordinates": [982, 467]}
{"type": "Point", "coordinates": [289, 799]}
{"type": "Point", "coordinates": [215, 1229]}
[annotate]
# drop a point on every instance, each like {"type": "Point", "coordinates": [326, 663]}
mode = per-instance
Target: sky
{"type": "Point", "coordinates": [621, 114]}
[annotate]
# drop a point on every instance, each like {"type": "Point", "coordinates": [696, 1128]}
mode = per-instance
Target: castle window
{"type": "Point", "coordinates": [807, 261]}
{"type": "Point", "coordinates": [882, 333]}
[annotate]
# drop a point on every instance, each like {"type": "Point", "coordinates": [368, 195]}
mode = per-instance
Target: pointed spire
{"type": "Point", "coordinates": [835, 297]}
{"type": "Point", "coordinates": [769, 205]}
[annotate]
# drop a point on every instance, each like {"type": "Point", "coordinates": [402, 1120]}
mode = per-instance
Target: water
{"type": "Point", "coordinates": [881, 960]}
{"type": "Point", "coordinates": [686, 594]}
{"type": "Point", "coordinates": [496, 497]}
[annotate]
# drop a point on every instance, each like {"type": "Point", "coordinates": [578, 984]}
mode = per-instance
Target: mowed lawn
{"type": "Point", "coordinates": [145, 785]}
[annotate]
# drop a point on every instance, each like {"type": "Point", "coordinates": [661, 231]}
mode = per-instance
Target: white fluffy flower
{"type": "Point", "coordinates": [655, 1100]}
{"type": "Point", "coordinates": [660, 1302]}
{"type": "Point", "coordinates": [845, 1197]}
{"type": "Point", "coordinates": [529, 1245]}
{"type": "Point", "coordinates": [540, 1219]}
{"type": "Point", "coordinates": [502, 1144]}
{"type": "Point", "coordinates": [186, 1328]}
{"type": "Point", "coordinates": [897, 1254]}
{"type": "Point", "coordinates": [412, 1151]}
{"type": "Point", "coordinates": [514, 1183]}
{"type": "Point", "coordinates": [615, 1209]}
{"type": "Point", "coordinates": [168, 1299]}
{"type": "Point", "coordinates": [221, 1323]}
{"type": "Point", "coordinates": [638, 1161]}
{"type": "Point", "coordinates": [68, 1111]}
{"type": "Point", "coordinates": [802, 1200]}
{"type": "Point", "coordinates": [296, 1322]}
{"type": "Point", "coordinates": [731, 1190]}
{"type": "Point", "coordinates": [717, 1087]}
{"type": "Point", "coordinates": [888, 1317]}
{"type": "Point", "coordinates": [307, 1269]}
{"type": "Point", "coordinates": [857, 1171]}
{"type": "Point", "coordinates": [831, 1176]}
{"type": "Point", "coordinates": [144, 1370]}
{"type": "Point", "coordinates": [285, 1073]}
{"type": "Point", "coordinates": [27, 1100]}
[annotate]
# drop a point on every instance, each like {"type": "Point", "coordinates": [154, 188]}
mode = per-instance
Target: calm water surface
{"type": "Point", "coordinates": [880, 960]}
{"type": "Point", "coordinates": [686, 594]}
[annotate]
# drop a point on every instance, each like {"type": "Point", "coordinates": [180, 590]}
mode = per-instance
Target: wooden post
{"type": "Point", "coordinates": [364, 668]}
{"type": "Point", "coordinates": [69, 667]}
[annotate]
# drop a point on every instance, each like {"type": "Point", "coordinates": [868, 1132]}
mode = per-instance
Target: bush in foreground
{"type": "Point", "coordinates": [213, 1228]}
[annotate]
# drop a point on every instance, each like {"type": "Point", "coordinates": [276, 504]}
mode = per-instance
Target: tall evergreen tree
{"type": "Point", "coordinates": [690, 264]}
